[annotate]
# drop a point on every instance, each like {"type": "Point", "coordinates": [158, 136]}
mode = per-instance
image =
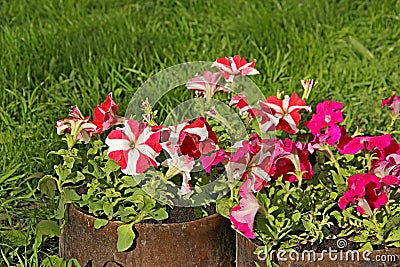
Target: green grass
{"type": "Point", "coordinates": [54, 54]}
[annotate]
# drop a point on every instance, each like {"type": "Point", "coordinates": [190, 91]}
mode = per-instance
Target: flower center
{"type": "Point", "coordinates": [328, 118]}
{"type": "Point", "coordinates": [132, 145]}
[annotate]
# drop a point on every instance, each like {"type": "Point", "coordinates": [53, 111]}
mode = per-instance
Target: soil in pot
{"type": "Point", "coordinates": [209, 241]}
{"type": "Point", "coordinates": [343, 254]}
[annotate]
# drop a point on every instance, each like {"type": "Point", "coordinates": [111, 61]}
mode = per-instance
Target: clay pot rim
{"type": "Point", "coordinates": [118, 223]}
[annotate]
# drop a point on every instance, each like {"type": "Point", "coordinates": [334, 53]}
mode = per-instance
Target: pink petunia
{"type": "Point", "coordinates": [135, 147]}
{"type": "Point", "coordinates": [79, 126]}
{"type": "Point", "coordinates": [242, 216]}
{"type": "Point", "coordinates": [213, 159]}
{"type": "Point", "coordinates": [328, 113]}
{"type": "Point", "coordinates": [393, 104]}
{"type": "Point", "coordinates": [105, 115]}
{"type": "Point", "coordinates": [251, 161]}
{"type": "Point", "coordinates": [206, 85]}
{"type": "Point", "coordinates": [197, 138]}
{"type": "Point", "coordinates": [364, 191]}
{"type": "Point", "coordinates": [235, 66]}
{"type": "Point", "coordinates": [286, 111]}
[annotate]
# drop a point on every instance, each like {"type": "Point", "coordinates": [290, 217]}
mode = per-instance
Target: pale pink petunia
{"type": "Point", "coordinates": [286, 111]}
{"type": "Point", "coordinates": [135, 147]}
{"type": "Point", "coordinates": [206, 84]}
{"type": "Point", "coordinates": [242, 216]}
{"type": "Point", "coordinates": [105, 115]}
{"type": "Point", "coordinates": [180, 165]}
{"type": "Point", "coordinates": [79, 126]}
{"type": "Point", "coordinates": [235, 66]}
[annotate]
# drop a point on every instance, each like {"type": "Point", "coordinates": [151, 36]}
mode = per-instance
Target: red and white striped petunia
{"type": "Point", "coordinates": [105, 115]}
{"type": "Point", "coordinates": [240, 102]}
{"type": "Point", "coordinates": [135, 147]}
{"type": "Point", "coordinates": [206, 85]}
{"type": "Point", "coordinates": [197, 138]}
{"type": "Point", "coordinates": [286, 110]}
{"type": "Point", "coordinates": [235, 66]}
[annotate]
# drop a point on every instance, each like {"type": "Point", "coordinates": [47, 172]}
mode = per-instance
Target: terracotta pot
{"type": "Point", "coordinates": [246, 257]}
{"type": "Point", "coordinates": [209, 241]}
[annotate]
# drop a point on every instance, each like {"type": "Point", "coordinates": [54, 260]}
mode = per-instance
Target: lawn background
{"type": "Point", "coordinates": [54, 54]}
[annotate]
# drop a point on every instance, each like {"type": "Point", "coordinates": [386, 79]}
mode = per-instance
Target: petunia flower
{"type": "Point", "coordinates": [180, 164]}
{"type": "Point", "coordinates": [328, 113]}
{"type": "Point", "coordinates": [105, 115]}
{"type": "Point", "coordinates": [291, 158]}
{"type": "Point", "coordinates": [364, 191]}
{"type": "Point", "coordinates": [214, 159]}
{"type": "Point", "coordinates": [382, 145]}
{"type": "Point", "coordinates": [135, 147]}
{"type": "Point", "coordinates": [388, 170]}
{"type": "Point", "coordinates": [206, 85]}
{"type": "Point", "coordinates": [235, 66]}
{"type": "Point", "coordinates": [393, 104]}
{"type": "Point", "coordinates": [197, 138]}
{"type": "Point", "coordinates": [240, 102]}
{"type": "Point", "coordinates": [286, 111]}
{"type": "Point", "coordinates": [242, 216]}
{"type": "Point", "coordinates": [251, 161]}
{"type": "Point", "coordinates": [79, 126]}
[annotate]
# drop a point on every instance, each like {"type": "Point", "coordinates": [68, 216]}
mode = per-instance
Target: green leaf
{"type": "Point", "coordinates": [15, 237]}
{"type": "Point", "coordinates": [48, 228]}
{"type": "Point", "coordinates": [125, 237]}
{"type": "Point", "coordinates": [160, 214]}
{"type": "Point", "coordinates": [98, 223]}
{"type": "Point", "coordinates": [71, 195]}
{"type": "Point", "coordinates": [394, 235]}
{"type": "Point", "coordinates": [48, 186]}
{"type": "Point", "coordinates": [53, 261]}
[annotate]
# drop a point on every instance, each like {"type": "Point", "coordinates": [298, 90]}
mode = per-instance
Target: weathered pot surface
{"type": "Point", "coordinates": [209, 241]}
{"type": "Point", "coordinates": [246, 258]}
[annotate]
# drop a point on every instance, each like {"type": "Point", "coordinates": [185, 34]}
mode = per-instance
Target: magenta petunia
{"type": "Point", "coordinates": [381, 145]}
{"type": "Point", "coordinates": [364, 191]}
{"type": "Point", "coordinates": [135, 147]}
{"type": "Point", "coordinates": [328, 113]}
{"type": "Point", "coordinates": [231, 67]}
